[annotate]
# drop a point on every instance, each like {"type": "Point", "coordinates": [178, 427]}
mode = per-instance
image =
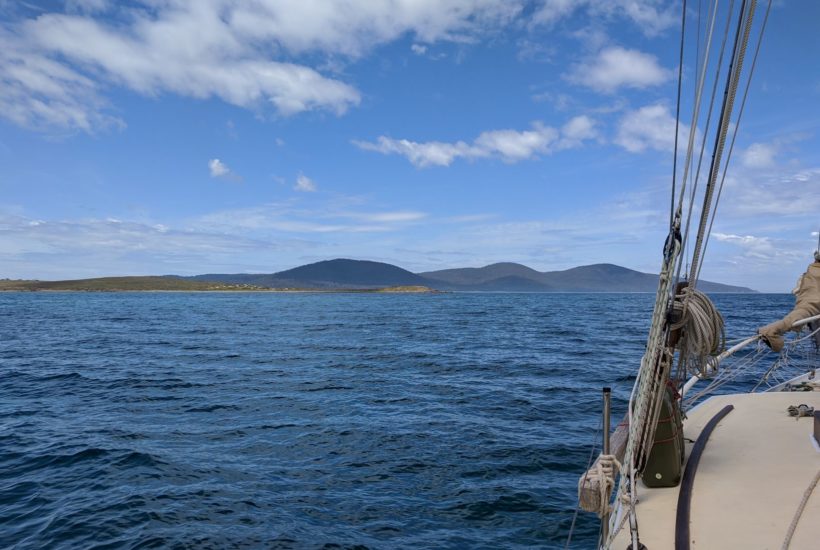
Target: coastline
{"type": "Point", "coordinates": [229, 290]}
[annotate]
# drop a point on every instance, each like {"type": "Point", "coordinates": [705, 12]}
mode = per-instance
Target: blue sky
{"type": "Point", "coordinates": [170, 136]}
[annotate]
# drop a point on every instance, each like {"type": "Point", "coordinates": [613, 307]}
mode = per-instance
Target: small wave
{"type": "Point", "coordinates": [487, 509]}
{"type": "Point", "coordinates": [64, 376]}
{"type": "Point", "coordinates": [212, 408]}
{"type": "Point", "coordinates": [329, 388]}
{"type": "Point", "coordinates": [136, 459]}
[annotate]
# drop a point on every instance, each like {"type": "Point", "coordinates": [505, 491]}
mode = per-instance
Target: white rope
{"type": "Point", "coordinates": [603, 474]}
{"type": "Point", "coordinates": [702, 324]}
{"type": "Point", "coordinates": [806, 494]}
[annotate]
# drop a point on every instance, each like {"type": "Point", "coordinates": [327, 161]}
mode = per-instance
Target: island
{"type": "Point", "coordinates": [349, 275]}
{"type": "Point", "coordinates": [177, 284]}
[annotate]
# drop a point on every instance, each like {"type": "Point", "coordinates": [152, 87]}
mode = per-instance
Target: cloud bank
{"type": "Point", "coordinates": [507, 145]}
{"type": "Point", "coordinates": [55, 67]}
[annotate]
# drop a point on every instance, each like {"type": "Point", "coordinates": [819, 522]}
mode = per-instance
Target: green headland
{"type": "Point", "coordinates": [173, 284]}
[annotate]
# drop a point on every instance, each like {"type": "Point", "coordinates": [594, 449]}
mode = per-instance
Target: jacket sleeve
{"type": "Point", "coordinates": [807, 294]}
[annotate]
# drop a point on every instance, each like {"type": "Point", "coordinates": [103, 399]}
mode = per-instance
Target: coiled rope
{"type": "Point", "coordinates": [703, 334]}
{"type": "Point", "coordinates": [604, 473]}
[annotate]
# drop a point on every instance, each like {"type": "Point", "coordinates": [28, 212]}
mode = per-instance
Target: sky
{"type": "Point", "coordinates": [199, 136]}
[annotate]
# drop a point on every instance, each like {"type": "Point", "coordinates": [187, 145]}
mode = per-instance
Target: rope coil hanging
{"type": "Point", "coordinates": [604, 474]}
{"type": "Point", "coordinates": [703, 334]}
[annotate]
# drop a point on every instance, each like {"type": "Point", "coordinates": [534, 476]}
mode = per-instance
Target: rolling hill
{"type": "Point", "coordinates": [507, 277]}
{"type": "Point", "coordinates": [361, 275]}
{"type": "Point", "coordinates": [338, 273]}
{"type": "Point", "coordinates": [588, 278]}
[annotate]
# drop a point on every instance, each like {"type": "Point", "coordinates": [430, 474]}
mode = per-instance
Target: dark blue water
{"type": "Point", "coordinates": [310, 421]}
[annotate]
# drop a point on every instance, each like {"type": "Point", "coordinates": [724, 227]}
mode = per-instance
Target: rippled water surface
{"type": "Point", "coordinates": [206, 420]}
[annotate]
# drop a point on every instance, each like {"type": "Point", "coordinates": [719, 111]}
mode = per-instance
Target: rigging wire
{"type": "Point", "coordinates": [677, 119]}
{"type": "Point", "coordinates": [708, 117]}
{"type": "Point", "coordinates": [737, 126]}
{"type": "Point", "coordinates": [784, 356]}
{"type": "Point", "coordinates": [735, 67]}
{"type": "Point", "coordinates": [727, 375]}
{"type": "Point", "coordinates": [697, 71]}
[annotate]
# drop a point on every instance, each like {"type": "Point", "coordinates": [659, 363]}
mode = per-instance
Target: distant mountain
{"type": "Point", "coordinates": [508, 277]}
{"type": "Point", "coordinates": [588, 278]}
{"type": "Point", "coordinates": [351, 273]}
{"type": "Point", "coordinates": [481, 275]}
{"type": "Point", "coordinates": [339, 273]}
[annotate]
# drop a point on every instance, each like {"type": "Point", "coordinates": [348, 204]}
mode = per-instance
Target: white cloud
{"type": "Point", "coordinates": [650, 16]}
{"type": "Point", "coordinates": [40, 93]}
{"type": "Point", "coordinates": [237, 52]}
{"type": "Point", "coordinates": [759, 155]}
{"type": "Point", "coordinates": [576, 131]}
{"type": "Point", "coordinates": [213, 63]}
{"type": "Point", "coordinates": [391, 217]}
{"type": "Point", "coordinates": [94, 247]}
{"type": "Point", "coordinates": [507, 145]}
{"type": "Point", "coordinates": [354, 26]}
{"type": "Point", "coordinates": [616, 67]}
{"type": "Point", "coordinates": [289, 217]}
{"type": "Point", "coordinates": [513, 145]}
{"type": "Point", "coordinates": [418, 49]}
{"type": "Point", "coordinates": [421, 154]}
{"type": "Point", "coordinates": [217, 168]}
{"type": "Point", "coordinates": [780, 195]}
{"type": "Point", "coordinates": [263, 238]}
{"type": "Point", "coordinates": [746, 241]}
{"type": "Point", "coordinates": [650, 127]}
{"type": "Point", "coordinates": [766, 250]}
{"type": "Point", "coordinates": [304, 184]}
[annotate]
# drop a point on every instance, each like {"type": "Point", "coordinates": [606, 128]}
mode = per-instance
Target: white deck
{"type": "Point", "coordinates": [752, 475]}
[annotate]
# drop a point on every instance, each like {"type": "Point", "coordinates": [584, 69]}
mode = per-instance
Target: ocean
{"type": "Point", "coordinates": [270, 420]}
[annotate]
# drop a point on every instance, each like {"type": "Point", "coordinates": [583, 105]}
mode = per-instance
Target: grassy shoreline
{"type": "Point", "coordinates": [175, 284]}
